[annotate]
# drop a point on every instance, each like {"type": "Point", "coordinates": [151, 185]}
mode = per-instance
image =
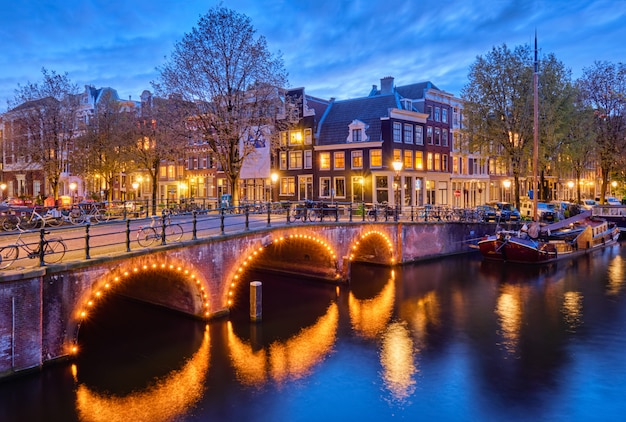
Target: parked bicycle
{"type": "Point", "coordinates": [380, 212]}
{"type": "Point", "coordinates": [80, 214]}
{"type": "Point", "coordinates": [51, 217]}
{"type": "Point", "coordinates": [147, 235]}
{"type": "Point", "coordinates": [53, 250]}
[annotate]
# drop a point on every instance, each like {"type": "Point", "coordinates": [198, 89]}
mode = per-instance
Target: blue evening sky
{"type": "Point", "coordinates": [334, 48]}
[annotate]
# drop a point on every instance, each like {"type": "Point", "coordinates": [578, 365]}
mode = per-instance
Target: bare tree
{"type": "Point", "coordinates": [104, 149]}
{"type": "Point", "coordinates": [604, 90]}
{"type": "Point", "coordinates": [47, 111]}
{"type": "Point", "coordinates": [233, 82]}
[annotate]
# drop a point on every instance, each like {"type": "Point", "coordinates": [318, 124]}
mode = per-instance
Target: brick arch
{"type": "Point", "coordinates": [373, 246]}
{"type": "Point", "coordinates": [185, 289]}
{"type": "Point", "coordinates": [271, 245]}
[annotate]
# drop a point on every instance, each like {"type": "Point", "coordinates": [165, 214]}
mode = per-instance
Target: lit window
{"type": "Point", "coordinates": [340, 160]}
{"type": "Point", "coordinates": [308, 137]}
{"type": "Point", "coordinates": [376, 158]}
{"type": "Point", "coordinates": [357, 159]}
{"type": "Point", "coordinates": [283, 160]}
{"type": "Point", "coordinates": [419, 160]}
{"type": "Point", "coordinates": [324, 160]}
{"type": "Point", "coordinates": [295, 137]}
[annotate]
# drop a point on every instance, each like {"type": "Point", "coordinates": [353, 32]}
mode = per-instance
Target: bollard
{"type": "Point", "coordinates": [256, 305]}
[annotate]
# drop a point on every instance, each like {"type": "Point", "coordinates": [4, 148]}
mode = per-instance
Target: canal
{"type": "Point", "coordinates": [454, 339]}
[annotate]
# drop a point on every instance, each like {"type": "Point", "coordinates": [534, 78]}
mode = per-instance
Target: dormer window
{"type": "Point", "coordinates": [356, 131]}
{"type": "Point", "coordinates": [407, 104]}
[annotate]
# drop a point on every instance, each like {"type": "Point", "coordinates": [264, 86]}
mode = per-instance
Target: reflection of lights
{"type": "Point", "coordinates": [104, 285]}
{"type": "Point", "coordinates": [422, 314]}
{"type": "Point", "coordinates": [572, 309]}
{"type": "Point", "coordinates": [616, 276]}
{"type": "Point", "coordinates": [290, 359]}
{"type": "Point", "coordinates": [397, 360]}
{"type": "Point", "coordinates": [169, 397]}
{"type": "Point", "coordinates": [255, 254]}
{"type": "Point", "coordinates": [364, 236]}
{"type": "Point", "coordinates": [509, 311]}
{"type": "Point", "coordinates": [369, 317]}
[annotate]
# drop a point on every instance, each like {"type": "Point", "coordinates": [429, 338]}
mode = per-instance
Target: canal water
{"type": "Point", "coordinates": [455, 339]}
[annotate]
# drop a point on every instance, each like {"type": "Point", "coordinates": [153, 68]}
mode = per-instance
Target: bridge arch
{"type": "Point", "coordinates": [373, 246]}
{"type": "Point", "coordinates": [172, 282]}
{"type": "Point", "coordinates": [277, 246]}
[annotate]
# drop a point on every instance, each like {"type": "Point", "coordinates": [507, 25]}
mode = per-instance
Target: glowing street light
{"type": "Point", "coordinates": [273, 179]}
{"type": "Point", "coordinates": [3, 187]}
{"type": "Point", "coordinates": [397, 166]}
{"type": "Point", "coordinates": [73, 191]}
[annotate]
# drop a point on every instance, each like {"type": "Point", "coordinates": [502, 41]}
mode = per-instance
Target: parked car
{"type": "Point", "coordinates": [545, 211]}
{"type": "Point", "coordinates": [611, 200]}
{"type": "Point", "coordinates": [588, 204]}
{"type": "Point", "coordinates": [487, 213]}
{"type": "Point", "coordinates": [505, 211]}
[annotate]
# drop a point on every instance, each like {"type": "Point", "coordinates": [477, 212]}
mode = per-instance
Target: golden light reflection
{"type": "Point", "coordinates": [616, 276]}
{"type": "Point", "coordinates": [167, 399]}
{"type": "Point", "coordinates": [509, 311]}
{"type": "Point", "coordinates": [397, 359]}
{"type": "Point", "coordinates": [572, 309]}
{"type": "Point", "coordinates": [285, 360]}
{"type": "Point", "coordinates": [355, 246]}
{"type": "Point", "coordinates": [369, 317]}
{"type": "Point", "coordinates": [422, 314]}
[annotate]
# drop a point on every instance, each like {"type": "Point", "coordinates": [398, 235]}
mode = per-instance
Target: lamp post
{"type": "Point", "coordinates": [135, 187]}
{"type": "Point", "coordinates": [397, 166]}
{"type": "Point", "coordinates": [3, 187]}
{"type": "Point", "coordinates": [570, 186]}
{"type": "Point", "coordinates": [273, 179]}
{"type": "Point", "coordinates": [73, 192]}
{"type": "Point", "coordinates": [507, 184]}
{"type": "Point", "coordinates": [362, 182]}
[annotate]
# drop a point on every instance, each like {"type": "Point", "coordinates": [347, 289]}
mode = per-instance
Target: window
{"type": "Point", "coordinates": [444, 115]}
{"type": "Point", "coordinates": [340, 187]}
{"type": "Point", "coordinates": [419, 160]}
{"type": "Point", "coordinates": [283, 160]}
{"type": "Point", "coordinates": [340, 160]}
{"type": "Point", "coordinates": [357, 159]}
{"type": "Point", "coordinates": [437, 110]}
{"type": "Point", "coordinates": [437, 162]}
{"type": "Point", "coordinates": [382, 188]}
{"type": "Point", "coordinates": [408, 134]}
{"type": "Point", "coordinates": [429, 110]}
{"type": "Point", "coordinates": [429, 135]}
{"type": "Point", "coordinates": [308, 137]}
{"type": "Point", "coordinates": [295, 137]}
{"type": "Point", "coordinates": [397, 155]}
{"type": "Point", "coordinates": [283, 139]}
{"type": "Point", "coordinates": [444, 137]}
{"type": "Point", "coordinates": [408, 159]}
{"type": "Point", "coordinates": [419, 135]}
{"type": "Point", "coordinates": [444, 163]}
{"type": "Point", "coordinates": [376, 158]}
{"type": "Point", "coordinates": [295, 159]}
{"type": "Point", "coordinates": [429, 161]}
{"type": "Point", "coordinates": [455, 165]}
{"type": "Point", "coordinates": [324, 187]}
{"type": "Point", "coordinates": [308, 159]}
{"type": "Point", "coordinates": [357, 131]}
{"type": "Point", "coordinates": [437, 136]}
{"type": "Point", "coordinates": [288, 186]}
{"type": "Point", "coordinates": [324, 160]}
{"type": "Point", "coordinates": [357, 135]}
{"type": "Point", "coordinates": [397, 132]}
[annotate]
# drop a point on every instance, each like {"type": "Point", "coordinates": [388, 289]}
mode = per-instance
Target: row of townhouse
{"type": "Point", "coordinates": [398, 144]}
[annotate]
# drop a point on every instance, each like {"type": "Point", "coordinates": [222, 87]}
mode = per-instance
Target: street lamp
{"type": "Point", "coordinates": [3, 187]}
{"type": "Point", "coordinates": [362, 182]}
{"type": "Point", "coordinates": [397, 166]}
{"type": "Point", "coordinates": [73, 191]}
{"type": "Point", "coordinates": [570, 186]}
{"type": "Point", "coordinates": [135, 187]}
{"type": "Point", "coordinates": [273, 179]}
{"type": "Point", "coordinates": [507, 184]}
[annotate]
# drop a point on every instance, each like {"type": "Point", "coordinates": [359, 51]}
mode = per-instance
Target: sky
{"type": "Point", "coordinates": [332, 48]}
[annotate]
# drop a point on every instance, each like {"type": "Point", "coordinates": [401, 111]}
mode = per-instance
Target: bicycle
{"type": "Point", "coordinates": [147, 235]}
{"type": "Point", "coordinates": [53, 250]}
{"type": "Point", "coordinates": [11, 222]}
{"type": "Point", "coordinates": [78, 215]}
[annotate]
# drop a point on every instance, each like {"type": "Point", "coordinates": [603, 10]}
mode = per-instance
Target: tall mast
{"type": "Point", "coordinates": [535, 131]}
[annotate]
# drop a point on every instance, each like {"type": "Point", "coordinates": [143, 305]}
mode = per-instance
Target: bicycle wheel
{"type": "Point", "coordinates": [54, 221]}
{"type": "Point", "coordinates": [53, 251]}
{"type": "Point", "coordinates": [173, 232]}
{"type": "Point", "coordinates": [147, 236]}
{"type": "Point", "coordinates": [77, 217]}
{"type": "Point", "coordinates": [9, 223]}
{"type": "Point", "coordinates": [29, 223]}
{"type": "Point", "coordinates": [8, 255]}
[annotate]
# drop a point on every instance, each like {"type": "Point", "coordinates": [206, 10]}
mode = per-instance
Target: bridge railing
{"type": "Point", "coordinates": [127, 234]}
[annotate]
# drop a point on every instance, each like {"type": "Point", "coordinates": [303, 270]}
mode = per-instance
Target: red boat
{"type": "Point", "coordinates": [535, 245]}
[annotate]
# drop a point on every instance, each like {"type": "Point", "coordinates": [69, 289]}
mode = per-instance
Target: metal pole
{"type": "Point", "coordinates": [87, 240]}
{"type": "Point", "coordinates": [256, 301]}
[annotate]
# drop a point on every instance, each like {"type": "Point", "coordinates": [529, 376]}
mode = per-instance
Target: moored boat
{"type": "Point", "coordinates": [541, 244]}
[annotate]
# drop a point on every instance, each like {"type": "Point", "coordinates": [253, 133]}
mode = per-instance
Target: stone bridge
{"type": "Point", "coordinates": [41, 310]}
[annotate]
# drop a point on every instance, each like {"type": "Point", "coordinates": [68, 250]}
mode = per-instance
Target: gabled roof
{"type": "Point", "coordinates": [415, 91]}
{"type": "Point", "coordinates": [369, 110]}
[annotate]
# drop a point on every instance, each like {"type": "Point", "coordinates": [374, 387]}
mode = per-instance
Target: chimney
{"type": "Point", "coordinates": [386, 85]}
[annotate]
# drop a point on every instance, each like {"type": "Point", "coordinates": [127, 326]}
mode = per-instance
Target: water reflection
{"type": "Point", "coordinates": [509, 311]}
{"type": "Point", "coordinates": [284, 360]}
{"type": "Point", "coordinates": [165, 400]}
{"type": "Point", "coordinates": [397, 357]}
{"type": "Point", "coordinates": [572, 309]}
{"type": "Point", "coordinates": [369, 317]}
{"type": "Point", "coordinates": [616, 276]}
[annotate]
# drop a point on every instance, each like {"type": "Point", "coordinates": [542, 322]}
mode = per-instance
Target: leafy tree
{"type": "Point", "coordinates": [46, 112]}
{"type": "Point", "coordinates": [232, 80]}
{"type": "Point", "coordinates": [604, 90]}
{"type": "Point", "coordinates": [103, 150]}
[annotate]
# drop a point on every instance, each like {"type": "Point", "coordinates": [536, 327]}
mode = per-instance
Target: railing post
{"type": "Point", "coordinates": [124, 207]}
{"type": "Point", "coordinates": [247, 211]}
{"type": "Point", "coordinates": [396, 213]}
{"type": "Point", "coordinates": [87, 226]}
{"type": "Point", "coordinates": [222, 220]}
{"type": "Point", "coordinates": [269, 213]}
{"type": "Point", "coordinates": [127, 235]}
{"type": "Point", "coordinates": [194, 227]}
{"type": "Point", "coordinates": [163, 229]}
{"type": "Point", "coordinates": [288, 212]}
{"type": "Point", "coordinates": [336, 212]}
{"type": "Point", "coordinates": [42, 242]}
{"type": "Point", "coordinates": [363, 211]}
{"type": "Point", "coordinates": [350, 212]}
{"type": "Point", "coordinates": [412, 210]}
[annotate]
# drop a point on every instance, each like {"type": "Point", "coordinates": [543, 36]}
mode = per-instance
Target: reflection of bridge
{"type": "Point", "coordinates": [41, 308]}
